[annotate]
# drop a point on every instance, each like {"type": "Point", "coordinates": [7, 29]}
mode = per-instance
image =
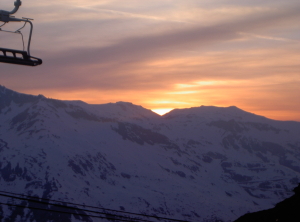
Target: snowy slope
{"type": "Point", "coordinates": [197, 164]}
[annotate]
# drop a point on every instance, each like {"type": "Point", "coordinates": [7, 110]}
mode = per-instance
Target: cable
{"type": "Point", "coordinates": [2, 25]}
{"type": "Point", "coordinates": [58, 201]}
{"type": "Point", "coordinates": [62, 206]}
{"type": "Point", "coordinates": [90, 211]}
{"type": "Point", "coordinates": [16, 32]}
{"type": "Point", "coordinates": [22, 41]}
{"type": "Point", "coordinates": [81, 205]}
{"type": "Point", "coordinates": [58, 211]}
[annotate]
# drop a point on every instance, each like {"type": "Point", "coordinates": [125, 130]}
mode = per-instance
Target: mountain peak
{"type": "Point", "coordinates": [9, 96]}
{"type": "Point", "coordinates": [211, 112]}
{"type": "Point", "coordinates": [122, 111]}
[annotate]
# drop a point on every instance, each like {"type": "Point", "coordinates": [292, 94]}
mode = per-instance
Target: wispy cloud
{"type": "Point", "coordinates": [167, 43]}
{"type": "Point", "coordinates": [164, 54]}
{"type": "Point", "coordinates": [269, 37]}
{"type": "Point", "coordinates": [131, 15]}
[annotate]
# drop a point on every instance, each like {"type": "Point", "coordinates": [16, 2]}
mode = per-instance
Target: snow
{"type": "Point", "coordinates": [191, 164]}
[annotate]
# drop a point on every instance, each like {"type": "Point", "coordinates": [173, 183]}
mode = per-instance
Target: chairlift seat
{"type": "Point", "coordinates": [18, 57]}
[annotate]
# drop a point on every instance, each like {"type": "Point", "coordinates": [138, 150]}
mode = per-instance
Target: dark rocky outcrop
{"type": "Point", "coordinates": [285, 211]}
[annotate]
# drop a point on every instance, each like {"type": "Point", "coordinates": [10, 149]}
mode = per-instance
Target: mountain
{"type": "Point", "coordinates": [202, 164]}
{"type": "Point", "coordinates": [287, 210]}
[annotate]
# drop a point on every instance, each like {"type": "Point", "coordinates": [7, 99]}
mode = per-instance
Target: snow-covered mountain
{"type": "Point", "coordinates": [199, 164]}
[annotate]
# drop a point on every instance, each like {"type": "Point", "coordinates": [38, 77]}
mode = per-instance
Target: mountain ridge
{"type": "Point", "coordinates": [195, 167]}
{"type": "Point", "coordinates": [124, 105]}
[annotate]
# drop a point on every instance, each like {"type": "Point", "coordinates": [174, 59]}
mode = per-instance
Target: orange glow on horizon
{"type": "Point", "coordinates": [161, 112]}
{"type": "Point", "coordinates": [211, 79]}
{"type": "Point", "coordinates": [214, 97]}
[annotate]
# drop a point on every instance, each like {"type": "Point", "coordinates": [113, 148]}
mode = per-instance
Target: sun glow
{"type": "Point", "coordinates": [162, 111]}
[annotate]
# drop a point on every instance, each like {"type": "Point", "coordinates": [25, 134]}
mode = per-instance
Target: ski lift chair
{"type": "Point", "coordinates": [13, 56]}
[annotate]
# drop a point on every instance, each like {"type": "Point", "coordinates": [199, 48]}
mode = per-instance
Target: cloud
{"type": "Point", "coordinates": [136, 51]}
{"type": "Point", "coordinates": [110, 52]}
{"type": "Point", "coordinates": [269, 37]}
{"type": "Point", "coordinates": [186, 38]}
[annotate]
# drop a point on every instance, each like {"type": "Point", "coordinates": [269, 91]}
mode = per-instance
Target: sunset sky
{"type": "Point", "coordinates": [163, 54]}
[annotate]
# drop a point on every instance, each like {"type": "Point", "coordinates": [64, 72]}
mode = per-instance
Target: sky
{"type": "Point", "coordinates": [162, 54]}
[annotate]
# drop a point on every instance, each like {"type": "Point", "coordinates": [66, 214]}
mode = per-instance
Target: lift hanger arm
{"type": "Point", "coordinates": [17, 4]}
